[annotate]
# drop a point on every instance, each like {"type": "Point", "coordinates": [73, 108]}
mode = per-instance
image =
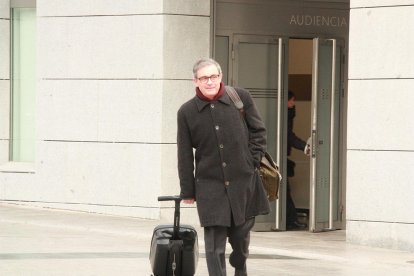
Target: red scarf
{"type": "Point", "coordinates": [218, 95]}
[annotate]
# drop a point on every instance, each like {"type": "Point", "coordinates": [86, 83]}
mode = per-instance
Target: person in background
{"type": "Point", "coordinates": [225, 181]}
{"type": "Point", "coordinates": [293, 141]}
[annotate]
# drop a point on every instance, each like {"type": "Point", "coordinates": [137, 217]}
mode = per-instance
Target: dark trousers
{"type": "Point", "coordinates": [215, 245]}
{"type": "Point", "coordinates": [291, 215]}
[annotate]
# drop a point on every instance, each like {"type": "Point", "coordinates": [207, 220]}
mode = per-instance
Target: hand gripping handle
{"type": "Point", "coordinates": [177, 200]}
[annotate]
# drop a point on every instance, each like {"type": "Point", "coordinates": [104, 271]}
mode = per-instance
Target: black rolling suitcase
{"type": "Point", "coordinates": [174, 248]}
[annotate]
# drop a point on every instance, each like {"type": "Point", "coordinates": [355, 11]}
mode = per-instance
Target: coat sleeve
{"type": "Point", "coordinates": [185, 157]}
{"type": "Point", "coordinates": [295, 141]}
{"type": "Point", "coordinates": [257, 129]}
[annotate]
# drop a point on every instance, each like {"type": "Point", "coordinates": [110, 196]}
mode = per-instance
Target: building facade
{"type": "Point", "coordinates": [97, 130]}
{"type": "Point", "coordinates": [110, 77]}
{"type": "Point", "coordinates": [380, 148]}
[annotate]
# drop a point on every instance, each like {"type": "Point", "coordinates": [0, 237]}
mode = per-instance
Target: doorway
{"type": "Point", "coordinates": [316, 77]}
{"type": "Point", "coordinates": [269, 66]}
{"type": "Point", "coordinates": [300, 83]}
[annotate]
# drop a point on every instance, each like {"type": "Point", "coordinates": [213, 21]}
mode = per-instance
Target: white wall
{"type": "Point", "coordinates": [300, 48]}
{"type": "Point", "coordinates": [111, 76]}
{"type": "Point", "coordinates": [380, 178]}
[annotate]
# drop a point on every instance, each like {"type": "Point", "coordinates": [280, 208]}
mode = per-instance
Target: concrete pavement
{"type": "Point", "coordinates": [36, 241]}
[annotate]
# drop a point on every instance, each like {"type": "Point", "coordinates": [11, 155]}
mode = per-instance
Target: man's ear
{"type": "Point", "coordinates": [195, 82]}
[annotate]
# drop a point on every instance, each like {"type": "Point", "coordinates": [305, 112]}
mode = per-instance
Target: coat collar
{"type": "Point", "coordinates": [201, 104]}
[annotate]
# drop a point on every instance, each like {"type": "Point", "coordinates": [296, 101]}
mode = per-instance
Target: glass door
{"type": "Point", "coordinates": [325, 201]}
{"type": "Point", "coordinates": [260, 65]}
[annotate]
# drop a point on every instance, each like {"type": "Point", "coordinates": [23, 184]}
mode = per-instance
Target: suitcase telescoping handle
{"type": "Point", "coordinates": [169, 198]}
{"type": "Point", "coordinates": [177, 200]}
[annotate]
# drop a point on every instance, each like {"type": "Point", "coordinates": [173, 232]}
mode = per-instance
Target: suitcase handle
{"type": "Point", "coordinates": [169, 198]}
{"type": "Point", "coordinates": [177, 200]}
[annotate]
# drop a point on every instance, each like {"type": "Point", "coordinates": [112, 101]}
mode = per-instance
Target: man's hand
{"type": "Point", "coordinates": [307, 149]}
{"type": "Point", "coordinates": [188, 201]}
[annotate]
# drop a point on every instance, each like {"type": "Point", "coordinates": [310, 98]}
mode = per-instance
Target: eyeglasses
{"type": "Point", "coordinates": [205, 79]}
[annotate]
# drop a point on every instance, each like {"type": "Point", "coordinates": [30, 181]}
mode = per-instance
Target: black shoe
{"type": "Point", "coordinates": [296, 225]}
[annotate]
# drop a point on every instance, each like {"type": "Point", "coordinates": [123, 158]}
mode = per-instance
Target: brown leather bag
{"type": "Point", "coordinates": [271, 177]}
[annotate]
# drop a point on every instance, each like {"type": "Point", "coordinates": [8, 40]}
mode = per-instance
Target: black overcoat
{"type": "Point", "coordinates": [293, 140]}
{"type": "Point", "coordinates": [225, 179]}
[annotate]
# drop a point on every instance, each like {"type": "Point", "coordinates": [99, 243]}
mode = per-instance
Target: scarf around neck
{"type": "Point", "coordinates": [218, 95]}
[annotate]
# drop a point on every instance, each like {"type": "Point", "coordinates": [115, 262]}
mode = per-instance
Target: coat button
{"type": "Point", "coordinates": [212, 105]}
{"type": "Point", "coordinates": [221, 146]}
{"type": "Point", "coordinates": [227, 183]}
{"type": "Point", "coordinates": [217, 127]}
{"type": "Point", "coordinates": [224, 164]}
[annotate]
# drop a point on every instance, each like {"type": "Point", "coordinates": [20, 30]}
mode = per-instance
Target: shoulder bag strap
{"type": "Point", "coordinates": [234, 96]}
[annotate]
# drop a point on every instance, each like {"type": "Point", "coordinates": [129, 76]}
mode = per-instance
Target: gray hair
{"type": "Point", "coordinates": [203, 63]}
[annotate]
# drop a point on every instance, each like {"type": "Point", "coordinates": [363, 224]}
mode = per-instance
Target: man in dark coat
{"type": "Point", "coordinates": [297, 143]}
{"type": "Point", "coordinates": [224, 182]}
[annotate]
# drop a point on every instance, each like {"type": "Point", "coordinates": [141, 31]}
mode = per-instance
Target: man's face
{"type": "Point", "coordinates": [291, 102]}
{"type": "Point", "coordinates": [208, 81]}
